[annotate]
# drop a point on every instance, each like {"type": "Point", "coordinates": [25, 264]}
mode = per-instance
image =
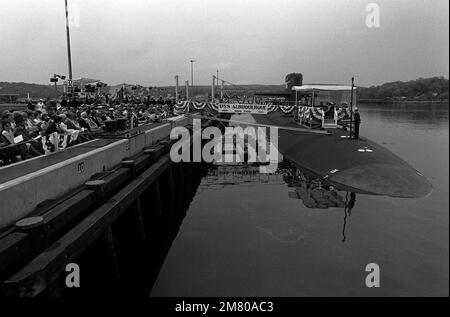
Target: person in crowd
{"type": "Point", "coordinates": [28, 118]}
{"type": "Point", "coordinates": [52, 125]}
{"type": "Point", "coordinates": [87, 122]}
{"type": "Point", "coordinates": [64, 103]}
{"type": "Point", "coordinates": [40, 105]}
{"type": "Point", "coordinates": [357, 122]}
{"type": "Point", "coordinates": [37, 117]}
{"type": "Point", "coordinates": [34, 147]}
{"type": "Point", "coordinates": [71, 121]}
{"type": "Point", "coordinates": [7, 132]}
{"type": "Point", "coordinates": [82, 122]}
{"type": "Point", "coordinates": [60, 116]}
{"type": "Point", "coordinates": [8, 138]}
{"type": "Point", "coordinates": [96, 118]}
{"type": "Point", "coordinates": [31, 106]}
{"type": "Point", "coordinates": [8, 153]}
{"type": "Point", "coordinates": [72, 124]}
{"type": "Point", "coordinates": [74, 134]}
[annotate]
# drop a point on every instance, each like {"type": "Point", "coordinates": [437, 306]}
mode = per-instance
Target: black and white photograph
{"type": "Point", "coordinates": [224, 156]}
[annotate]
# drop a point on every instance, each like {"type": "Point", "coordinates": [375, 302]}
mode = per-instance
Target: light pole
{"type": "Point", "coordinates": [54, 80]}
{"type": "Point", "coordinates": [68, 48]}
{"type": "Point", "coordinates": [176, 88]}
{"type": "Point", "coordinates": [212, 88]}
{"type": "Point", "coordinates": [192, 75]}
{"type": "Point", "coordinates": [187, 89]}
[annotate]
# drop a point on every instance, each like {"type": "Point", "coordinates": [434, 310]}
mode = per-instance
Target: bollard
{"type": "Point", "coordinates": [131, 164]}
{"type": "Point", "coordinates": [166, 144]}
{"type": "Point", "coordinates": [29, 224]}
{"type": "Point", "coordinates": [98, 186]}
{"type": "Point", "coordinates": [35, 226]}
{"type": "Point", "coordinates": [152, 153]}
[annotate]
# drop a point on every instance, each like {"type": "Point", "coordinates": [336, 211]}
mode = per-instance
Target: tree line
{"type": "Point", "coordinates": [434, 88]}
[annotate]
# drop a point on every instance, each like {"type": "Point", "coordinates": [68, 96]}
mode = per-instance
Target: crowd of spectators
{"type": "Point", "coordinates": [22, 132]}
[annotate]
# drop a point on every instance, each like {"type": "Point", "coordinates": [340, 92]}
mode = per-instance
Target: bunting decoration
{"type": "Point", "coordinates": [304, 112]}
{"type": "Point", "coordinates": [199, 105]}
{"type": "Point", "coordinates": [317, 113]}
{"type": "Point", "coordinates": [271, 108]}
{"type": "Point", "coordinates": [286, 109]}
{"type": "Point", "coordinates": [214, 106]}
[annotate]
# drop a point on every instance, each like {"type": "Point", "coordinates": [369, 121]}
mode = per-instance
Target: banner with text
{"type": "Point", "coordinates": [242, 108]}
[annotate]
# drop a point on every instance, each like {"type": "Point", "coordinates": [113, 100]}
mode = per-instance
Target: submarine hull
{"type": "Point", "coordinates": [360, 165]}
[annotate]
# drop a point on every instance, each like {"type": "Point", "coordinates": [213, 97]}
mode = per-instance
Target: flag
{"type": "Point", "coordinates": [50, 143]}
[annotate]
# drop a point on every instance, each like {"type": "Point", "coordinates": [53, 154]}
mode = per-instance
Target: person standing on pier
{"type": "Point", "coordinates": [357, 122]}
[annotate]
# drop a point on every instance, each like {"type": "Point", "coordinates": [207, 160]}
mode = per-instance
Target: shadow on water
{"type": "Point", "coordinates": [315, 193]}
{"type": "Point", "coordinates": [139, 263]}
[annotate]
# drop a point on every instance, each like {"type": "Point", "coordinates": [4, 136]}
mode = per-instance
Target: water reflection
{"type": "Point", "coordinates": [424, 115]}
{"type": "Point", "coordinates": [251, 239]}
{"type": "Point", "coordinates": [312, 190]}
{"type": "Point", "coordinates": [315, 193]}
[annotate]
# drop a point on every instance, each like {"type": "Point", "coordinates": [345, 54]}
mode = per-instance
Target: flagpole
{"type": "Point", "coordinates": [187, 89]}
{"type": "Point", "coordinates": [68, 47]}
{"type": "Point", "coordinates": [351, 109]}
{"type": "Point", "coordinates": [212, 88]}
{"type": "Point", "coordinates": [176, 88]}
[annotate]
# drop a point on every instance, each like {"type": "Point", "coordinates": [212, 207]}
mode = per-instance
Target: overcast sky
{"type": "Point", "coordinates": [248, 41]}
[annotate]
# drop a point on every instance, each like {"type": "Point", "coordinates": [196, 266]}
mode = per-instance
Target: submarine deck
{"type": "Point", "coordinates": [358, 165]}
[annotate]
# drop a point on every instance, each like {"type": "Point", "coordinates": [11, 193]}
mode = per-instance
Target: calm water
{"type": "Point", "coordinates": [247, 234]}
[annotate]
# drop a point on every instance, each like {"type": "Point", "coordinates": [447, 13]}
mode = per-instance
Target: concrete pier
{"type": "Point", "coordinates": [25, 185]}
{"type": "Point", "coordinates": [117, 226]}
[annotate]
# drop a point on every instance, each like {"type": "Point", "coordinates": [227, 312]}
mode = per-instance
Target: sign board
{"type": "Point", "coordinates": [242, 108]}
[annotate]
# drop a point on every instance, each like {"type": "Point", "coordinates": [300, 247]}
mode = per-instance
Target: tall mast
{"type": "Point", "coordinates": [69, 57]}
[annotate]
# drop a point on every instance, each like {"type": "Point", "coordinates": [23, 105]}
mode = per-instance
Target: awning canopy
{"type": "Point", "coordinates": [274, 93]}
{"type": "Point", "coordinates": [322, 87]}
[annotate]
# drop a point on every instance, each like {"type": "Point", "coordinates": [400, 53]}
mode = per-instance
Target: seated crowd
{"type": "Point", "coordinates": [22, 131]}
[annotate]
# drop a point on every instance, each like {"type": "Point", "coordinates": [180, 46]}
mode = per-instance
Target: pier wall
{"type": "Point", "coordinates": [20, 196]}
{"type": "Point", "coordinates": [117, 228]}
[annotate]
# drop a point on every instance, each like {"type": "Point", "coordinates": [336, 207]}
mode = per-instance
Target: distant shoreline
{"type": "Point", "coordinates": [397, 102]}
